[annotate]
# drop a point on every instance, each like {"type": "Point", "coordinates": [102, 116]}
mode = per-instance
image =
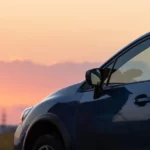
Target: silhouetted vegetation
{"type": "Point", "coordinates": [6, 141]}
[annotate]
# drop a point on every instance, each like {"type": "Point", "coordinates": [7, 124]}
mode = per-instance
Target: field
{"type": "Point", "coordinates": [6, 141]}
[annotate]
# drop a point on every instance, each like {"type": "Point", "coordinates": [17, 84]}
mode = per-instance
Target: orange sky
{"type": "Point", "coordinates": [54, 32]}
{"type": "Point", "coordinates": [45, 31]}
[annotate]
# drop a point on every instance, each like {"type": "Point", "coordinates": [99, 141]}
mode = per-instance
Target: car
{"type": "Point", "coordinates": [109, 109]}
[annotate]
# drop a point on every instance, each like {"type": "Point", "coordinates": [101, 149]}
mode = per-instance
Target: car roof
{"type": "Point", "coordinates": [128, 45]}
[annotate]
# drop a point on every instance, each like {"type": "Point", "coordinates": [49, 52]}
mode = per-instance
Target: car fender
{"type": "Point", "coordinates": [53, 119]}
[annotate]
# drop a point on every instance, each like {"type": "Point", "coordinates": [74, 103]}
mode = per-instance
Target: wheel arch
{"type": "Point", "coordinates": [56, 122]}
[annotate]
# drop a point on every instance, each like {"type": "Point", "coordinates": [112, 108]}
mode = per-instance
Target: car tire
{"type": "Point", "coordinates": [48, 142]}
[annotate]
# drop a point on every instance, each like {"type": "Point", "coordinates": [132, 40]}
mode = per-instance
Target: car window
{"type": "Point", "coordinates": [133, 66]}
{"type": "Point", "coordinates": [106, 72]}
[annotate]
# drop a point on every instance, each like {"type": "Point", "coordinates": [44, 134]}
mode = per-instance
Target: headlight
{"type": "Point", "coordinates": [25, 113]}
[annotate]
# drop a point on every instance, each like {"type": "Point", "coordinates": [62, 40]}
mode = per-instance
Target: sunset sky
{"type": "Point", "coordinates": [41, 39]}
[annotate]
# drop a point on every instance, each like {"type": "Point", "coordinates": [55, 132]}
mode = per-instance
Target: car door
{"type": "Point", "coordinates": [119, 118]}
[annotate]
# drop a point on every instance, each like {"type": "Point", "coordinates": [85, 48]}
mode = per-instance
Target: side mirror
{"type": "Point", "coordinates": [93, 77]}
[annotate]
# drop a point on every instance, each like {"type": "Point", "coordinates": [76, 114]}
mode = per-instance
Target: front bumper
{"type": "Point", "coordinates": [18, 138]}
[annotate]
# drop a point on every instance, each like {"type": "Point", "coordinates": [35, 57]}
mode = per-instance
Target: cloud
{"type": "Point", "coordinates": [21, 74]}
{"type": "Point", "coordinates": [24, 83]}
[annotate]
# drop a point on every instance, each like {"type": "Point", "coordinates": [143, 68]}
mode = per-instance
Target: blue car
{"type": "Point", "coordinates": [110, 109]}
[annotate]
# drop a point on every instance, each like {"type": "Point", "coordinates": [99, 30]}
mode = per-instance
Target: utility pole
{"type": "Point", "coordinates": [3, 119]}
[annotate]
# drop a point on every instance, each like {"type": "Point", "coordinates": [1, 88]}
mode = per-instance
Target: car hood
{"type": "Point", "coordinates": [64, 92]}
{"type": "Point", "coordinates": [61, 96]}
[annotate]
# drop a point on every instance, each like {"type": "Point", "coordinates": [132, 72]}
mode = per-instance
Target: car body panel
{"type": "Point", "coordinates": [52, 105]}
{"type": "Point", "coordinates": [85, 119]}
{"type": "Point", "coordinates": [18, 138]}
{"type": "Point", "coordinates": [113, 120]}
